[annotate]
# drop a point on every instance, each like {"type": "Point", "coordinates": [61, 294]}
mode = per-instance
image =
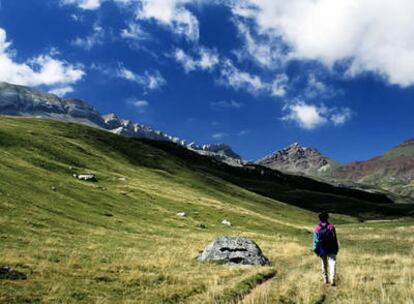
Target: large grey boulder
{"type": "Point", "coordinates": [234, 251]}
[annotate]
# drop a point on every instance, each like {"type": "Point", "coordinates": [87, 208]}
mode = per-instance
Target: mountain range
{"type": "Point", "coordinates": [18, 100]}
{"type": "Point", "coordinates": [392, 172]}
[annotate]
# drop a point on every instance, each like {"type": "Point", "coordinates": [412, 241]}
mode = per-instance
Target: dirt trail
{"type": "Point", "coordinates": [262, 290]}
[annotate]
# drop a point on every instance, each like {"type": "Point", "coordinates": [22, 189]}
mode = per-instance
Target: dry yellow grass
{"type": "Point", "coordinates": [367, 273]}
{"type": "Point", "coordinates": [120, 241]}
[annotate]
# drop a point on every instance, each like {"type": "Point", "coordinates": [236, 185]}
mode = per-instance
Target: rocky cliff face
{"type": "Point", "coordinates": [299, 160]}
{"type": "Point", "coordinates": [24, 101]}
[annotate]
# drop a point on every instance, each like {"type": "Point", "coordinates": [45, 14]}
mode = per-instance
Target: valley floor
{"type": "Point", "coordinates": [375, 265]}
{"type": "Point", "coordinates": [119, 240]}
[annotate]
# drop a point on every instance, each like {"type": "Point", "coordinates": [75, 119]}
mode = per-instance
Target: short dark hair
{"type": "Point", "coordinates": [324, 216]}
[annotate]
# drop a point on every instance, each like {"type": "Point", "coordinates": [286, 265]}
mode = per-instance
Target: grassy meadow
{"type": "Point", "coordinates": [119, 240]}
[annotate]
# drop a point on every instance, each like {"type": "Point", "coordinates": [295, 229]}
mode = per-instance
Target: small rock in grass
{"type": "Point", "coordinates": [181, 214]}
{"type": "Point", "coordinates": [226, 222]}
{"type": "Point", "coordinates": [202, 226]}
{"type": "Point", "coordinates": [87, 177]}
{"type": "Point", "coordinates": [8, 273]}
{"type": "Point", "coordinates": [53, 188]}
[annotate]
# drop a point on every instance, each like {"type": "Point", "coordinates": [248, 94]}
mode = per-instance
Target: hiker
{"type": "Point", "coordinates": [325, 245]}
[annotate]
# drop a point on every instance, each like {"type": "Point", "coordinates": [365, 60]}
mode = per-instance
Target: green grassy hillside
{"type": "Point", "coordinates": [119, 240]}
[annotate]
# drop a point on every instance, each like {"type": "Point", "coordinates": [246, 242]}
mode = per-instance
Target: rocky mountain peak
{"type": "Point", "coordinates": [297, 159]}
{"type": "Point", "coordinates": [221, 148]}
{"type": "Point", "coordinates": [406, 143]}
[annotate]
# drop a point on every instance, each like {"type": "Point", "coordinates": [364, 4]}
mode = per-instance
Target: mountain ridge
{"type": "Point", "coordinates": [17, 100]}
{"type": "Point", "coordinates": [391, 172]}
{"type": "Point", "coordinates": [297, 159]}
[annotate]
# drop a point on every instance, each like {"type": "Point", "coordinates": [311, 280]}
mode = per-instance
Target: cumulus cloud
{"type": "Point", "coordinates": [305, 115]}
{"type": "Point", "coordinates": [362, 35]}
{"type": "Point", "coordinates": [172, 14]}
{"type": "Point", "coordinates": [310, 116]}
{"type": "Point", "coordinates": [205, 59]}
{"type": "Point", "coordinates": [41, 70]}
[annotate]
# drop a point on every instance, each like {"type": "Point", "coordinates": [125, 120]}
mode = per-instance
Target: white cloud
{"type": "Point", "coordinates": [243, 132]}
{"type": "Point", "coordinates": [84, 4]}
{"type": "Point", "coordinates": [41, 70]}
{"type": "Point", "coordinates": [341, 117]}
{"type": "Point", "coordinates": [88, 42]}
{"type": "Point", "coordinates": [134, 32]}
{"type": "Point", "coordinates": [172, 14]}
{"type": "Point", "coordinates": [279, 85]}
{"type": "Point", "coordinates": [62, 91]}
{"type": "Point", "coordinates": [305, 115]}
{"type": "Point", "coordinates": [261, 49]}
{"type": "Point", "coordinates": [148, 80]}
{"type": "Point", "coordinates": [310, 116]}
{"type": "Point", "coordinates": [219, 135]}
{"type": "Point", "coordinates": [368, 35]}
{"type": "Point", "coordinates": [140, 103]}
{"type": "Point", "coordinates": [206, 59]}
{"type": "Point", "coordinates": [233, 77]}
{"type": "Point", "coordinates": [237, 79]}
{"type": "Point", "coordinates": [223, 104]}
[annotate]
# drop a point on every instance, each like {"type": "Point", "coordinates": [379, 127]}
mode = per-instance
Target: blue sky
{"type": "Point", "coordinates": [256, 74]}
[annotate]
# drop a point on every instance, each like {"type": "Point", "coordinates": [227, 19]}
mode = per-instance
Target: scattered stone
{"type": "Point", "coordinates": [53, 188]}
{"type": "Point", "coordinates": [70, 168]}
{"type": "Point", "coordinates": [8, 273]}
{"type": "Point", "coordinates": [87, 177]}
{"type": "Point", "coordinates": [122, 179]}
{"type": "Point", "coordinates": [202, 226]}
{"type": "Point", "coordinates": [226, 222]}
{"type": "Point", "coordinates": [75, 175]}
{"type": "Point", "coordinates": [181, 214]}
{"type": "Point", "coordinates": [233, 251]}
